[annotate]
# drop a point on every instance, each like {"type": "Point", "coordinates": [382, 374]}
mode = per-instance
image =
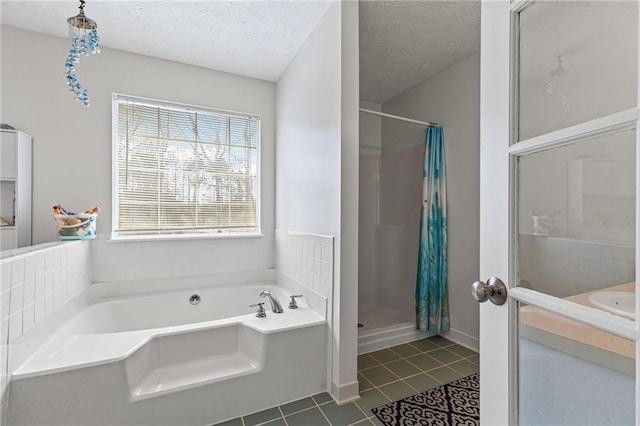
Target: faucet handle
{"type": "Point", "coordinates": [261, 312]}
{"type": "Point", "coordinates": [293, 304]}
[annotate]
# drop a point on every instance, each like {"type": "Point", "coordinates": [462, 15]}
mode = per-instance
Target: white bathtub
{"type": "Point", "coordinates": [140, 353]}
{"type": "Point", "coordinates": [173, 308]}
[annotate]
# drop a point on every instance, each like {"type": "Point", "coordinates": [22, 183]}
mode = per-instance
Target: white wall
{"type": "Point", "coordinates": [399, 230]}
{"type": "Point", "coordinates": [367, 225]}
{"type": "Point", "coordinates": [368, 217]}
{"type": "Point", "coordinates": [347, 315]}
{"type": "Point", "coordinates": [452, 99]}
{"type": "Point", "coordinates": [389, 219]}
{"type": "Point", "coordinates": [72, 143]}
{"type": "Point", "coordinates": [130, 260]}
{"type": "Point", "coordinates": [312, 98]}
{"type": "Point", "coordinates": [370, 130]}
{"type": "Point", "coordinates": [308, 134]}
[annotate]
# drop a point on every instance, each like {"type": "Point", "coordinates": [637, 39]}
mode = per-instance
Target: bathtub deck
{"type": "Point", "coordinates": [65, 351]}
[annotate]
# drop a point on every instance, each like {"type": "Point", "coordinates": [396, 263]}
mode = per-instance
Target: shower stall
{"type": "Point", "coordinates": [389, 229]}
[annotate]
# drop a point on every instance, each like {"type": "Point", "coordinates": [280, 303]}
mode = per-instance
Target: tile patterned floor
{"type": "Point", "coordinates": [385, 376]}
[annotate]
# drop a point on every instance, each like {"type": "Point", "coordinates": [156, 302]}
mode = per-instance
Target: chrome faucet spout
{"type": "Point", "coordinates": [275, 305]}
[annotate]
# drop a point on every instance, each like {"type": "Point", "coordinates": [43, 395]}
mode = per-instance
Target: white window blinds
{"type": "Point", "coordinates": [184, 170]}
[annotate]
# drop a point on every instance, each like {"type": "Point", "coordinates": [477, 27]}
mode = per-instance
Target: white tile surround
{"type": "Point", "coordinates": [33, 285]}
{"type": "Point", "coordinates": [574, 266]}
{"type": "Point", "coordinates": [306, 258]}
{"type": "Point", "coordinates": [37, 283]}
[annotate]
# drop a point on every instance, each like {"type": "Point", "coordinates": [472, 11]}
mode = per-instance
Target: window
{"type": "Point", "coordinates": [183, 170]}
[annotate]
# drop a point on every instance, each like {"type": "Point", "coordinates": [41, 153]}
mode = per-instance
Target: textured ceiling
{"type": "Point", "coordinates": [251, 38]}
{"type": "Point", "coordinates": [402, 43]}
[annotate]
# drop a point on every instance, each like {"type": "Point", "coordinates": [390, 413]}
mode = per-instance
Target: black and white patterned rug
{"type": "Point", "coordinates": [456, 403]}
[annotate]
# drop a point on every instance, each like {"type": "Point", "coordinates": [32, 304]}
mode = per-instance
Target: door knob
{"type": "Point", "coordinates": [493, 290]}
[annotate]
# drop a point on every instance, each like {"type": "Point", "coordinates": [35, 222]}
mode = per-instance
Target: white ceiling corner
{"type": "Point", "coordinates": [402, 43]}
{"type": "Point", "coordinates": [251, 38]}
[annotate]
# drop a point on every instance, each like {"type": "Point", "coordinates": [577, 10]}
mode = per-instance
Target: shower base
{"type": "Point", "coordinates": [382, 329]}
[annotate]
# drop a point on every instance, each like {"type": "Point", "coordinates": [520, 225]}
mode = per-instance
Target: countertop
{"type": "Point", "coordinates": [569, 329]}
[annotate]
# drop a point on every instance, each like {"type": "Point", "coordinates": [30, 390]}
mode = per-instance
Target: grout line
{"type": "Point", "coordinates": [393, 381]}
{"type": "Point", "coordinates": [361, 410]}
{"type": "Point", "coordinates": [421, 371]}
{"type": "Point", "coordinates": [300, 411]}
{"type": "Point", "coordinates": [377, 387]}
{"type": "Point", "coordinates": [282, 414]}
{"type": "Point", "coordinates": [382, 392]}
{"type": "Point", "coordinates": [406, 358]}
{"type": "Point", "coordinates": [413, 387]}
{"type": "Point", "coordinates": [322, 412]}
{"type": "Point", "coordinates": [438, 381]}
{"type": "Point", "coordinates": [264, 423]}
{"type": "Point", "coordinates": [423, 353]}
{"type": "Point", "coordinates": [359, 421]}
{"type": "Point", "coordinates": [458, 371]}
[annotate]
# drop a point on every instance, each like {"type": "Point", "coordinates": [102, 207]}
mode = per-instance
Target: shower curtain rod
{"type": "Point", "coordinates": [397, 117]}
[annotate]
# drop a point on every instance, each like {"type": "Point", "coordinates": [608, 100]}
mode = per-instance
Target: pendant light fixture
{"type": "Point", "coordinates": [83, 33]}
{"type": "Point", "coordinates": [558, 88]}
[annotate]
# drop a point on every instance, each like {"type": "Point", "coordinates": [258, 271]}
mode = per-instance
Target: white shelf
{"type": "Point", "coordinates": [15, 188]}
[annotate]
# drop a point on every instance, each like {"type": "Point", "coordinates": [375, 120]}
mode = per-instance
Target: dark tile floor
{"type": "Point", "coordinates": [385, 376]}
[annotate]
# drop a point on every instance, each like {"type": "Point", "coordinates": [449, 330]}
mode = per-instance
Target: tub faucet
{"type": "Point", "coordinates": [275, 305]}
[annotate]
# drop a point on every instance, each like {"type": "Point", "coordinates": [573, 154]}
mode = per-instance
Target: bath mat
{"type": "Point", "coordinates": [456, 403]}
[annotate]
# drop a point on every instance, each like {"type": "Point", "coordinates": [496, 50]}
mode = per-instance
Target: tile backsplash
{"type": "Point", "coordinates": [306, 258]}
{"type": "Point", "coordinates": [564, 267]}
{"type": "Point", "coordinates": [33, 284]}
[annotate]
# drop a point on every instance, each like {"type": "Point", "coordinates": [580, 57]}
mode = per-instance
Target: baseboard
{"type": "Point", "coordinates": [387, 337]}
{"type": "Point", "coordinates": [462, 339]}
{"type": "Point", "coordinates": [346, 393]}
{"type": "Point", "coordinates": [391, 336]}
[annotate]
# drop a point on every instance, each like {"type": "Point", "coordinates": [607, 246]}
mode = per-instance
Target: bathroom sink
{"type": "Point", "coordinates": [621, 303]}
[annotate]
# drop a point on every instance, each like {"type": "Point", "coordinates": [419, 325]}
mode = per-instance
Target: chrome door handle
{"type": "Point", "coordinates": [493, 290]}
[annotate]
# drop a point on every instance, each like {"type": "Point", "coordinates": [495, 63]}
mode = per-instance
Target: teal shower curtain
{"type": "Point", "coordinates": [432, 293]}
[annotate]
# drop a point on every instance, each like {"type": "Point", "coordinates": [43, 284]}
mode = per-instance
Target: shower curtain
{"type": "Point", "coordinates": [432, 294]}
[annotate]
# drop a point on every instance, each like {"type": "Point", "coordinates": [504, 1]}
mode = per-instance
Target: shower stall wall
{"type": "Point", "coordinates": [390, 202]}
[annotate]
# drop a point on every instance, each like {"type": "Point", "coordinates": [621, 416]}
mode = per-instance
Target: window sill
{"type": "Point", "coordinates": [184, 237]}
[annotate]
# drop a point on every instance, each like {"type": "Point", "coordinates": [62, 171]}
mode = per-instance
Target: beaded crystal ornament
{"type": "Point", "coordinates": [83, 33]}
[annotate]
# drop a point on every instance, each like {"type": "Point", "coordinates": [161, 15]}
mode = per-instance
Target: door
{"type": "Point", "coordinates": [559, 113]}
